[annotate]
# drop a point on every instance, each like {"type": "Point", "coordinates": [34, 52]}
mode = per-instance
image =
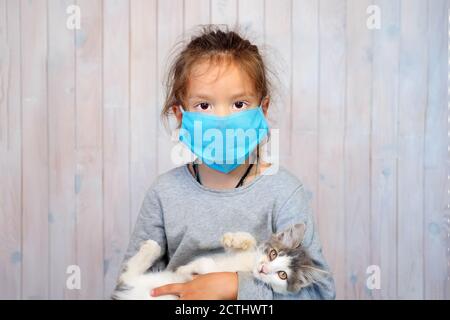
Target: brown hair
{"type": "Point", "coordinates": [214, 45]}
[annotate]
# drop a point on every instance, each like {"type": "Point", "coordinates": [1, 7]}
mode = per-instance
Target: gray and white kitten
{"type": "Point", "coordinates": [281, 262]}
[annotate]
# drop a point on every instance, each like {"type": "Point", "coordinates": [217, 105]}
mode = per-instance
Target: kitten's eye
{"type": "Point", "coordinates": [282, 275]}
{"type": "Point", "coordinates": [272, 254]}
{"type": "Point", "coordinates": [202, 106]}
{"type": "Point", "coordinates": [239, 104]}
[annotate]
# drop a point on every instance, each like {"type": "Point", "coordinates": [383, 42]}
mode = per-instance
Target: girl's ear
{"type": "Point", "coordinates": [177, 112]}
{"type": "Point", "coordinates": [265, 104]}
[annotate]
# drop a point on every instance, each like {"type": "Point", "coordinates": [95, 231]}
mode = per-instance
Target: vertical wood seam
{"type": "Point", "coordinates": [318, 113]}
{"type": "Point", "coordinates": [372, 46]}
{"type": "Point", "coordinates": [424, 274]}
{"type": "Point", "coordinates": [291, 76]}
{"type": "Point", "coordinates": [397, 120]}
{"type": "Point", "coordinates": [21, 148]}
{"type": "Point", "coordinates": [156, 124]}
{"type": "Point", "coordinates": [130, 132]}
{"type": "Point", "coordinates": [48, 149]}
{"type": "Point", "coordinates": [344, 142]}
{"type": "Point", "coordinates": [102, 147]}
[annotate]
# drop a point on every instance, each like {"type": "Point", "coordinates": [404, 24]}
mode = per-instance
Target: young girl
{"type": "Point", "coordinates": [218, 82]}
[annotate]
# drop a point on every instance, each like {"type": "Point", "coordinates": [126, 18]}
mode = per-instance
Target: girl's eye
{"type": "Point", "coordinates": [240, 104]}
{"type": "Point", "coordinates": [272, 254]}
{"type": "Point", "coordinates": [203, 106]}
{"type": "Point", "coordinates": [282, 275]}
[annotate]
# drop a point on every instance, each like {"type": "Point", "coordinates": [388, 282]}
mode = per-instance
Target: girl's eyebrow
{"type": "Point", "coordinates": [243, 95]}
{"type": "Point", "coordinates": [199, 96]}
{"type": "Point", "coordinates": [206, 97]}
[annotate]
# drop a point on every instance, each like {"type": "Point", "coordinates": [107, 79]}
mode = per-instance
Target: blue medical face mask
{"type": "Point", "coordinates": [223, 142]}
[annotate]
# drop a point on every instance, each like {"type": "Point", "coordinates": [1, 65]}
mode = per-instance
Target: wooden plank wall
{"type": "Point", "coordinates": [363, 117]}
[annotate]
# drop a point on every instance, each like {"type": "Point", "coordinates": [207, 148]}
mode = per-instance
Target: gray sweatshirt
{"type": "Point", "coordinates": [187, 219]}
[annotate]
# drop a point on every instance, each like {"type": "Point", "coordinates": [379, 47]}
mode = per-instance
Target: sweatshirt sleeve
{"type": "Point", "coordinates": [149, 225]}
{"type": "Point", "coordinates": [296, 209]}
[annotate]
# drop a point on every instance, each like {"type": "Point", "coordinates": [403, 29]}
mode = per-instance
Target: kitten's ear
{"type": "Point", "coordinates": [292, 237]}
{"type": "Point", "coordinates": [308, 275]}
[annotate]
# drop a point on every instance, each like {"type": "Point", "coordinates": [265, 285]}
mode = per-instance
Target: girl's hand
{"type": "Point", "coordinates": [210, 286]}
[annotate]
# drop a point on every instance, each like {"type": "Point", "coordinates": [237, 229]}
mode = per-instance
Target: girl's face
{"type": "Point", "coordinates": [220, 89]}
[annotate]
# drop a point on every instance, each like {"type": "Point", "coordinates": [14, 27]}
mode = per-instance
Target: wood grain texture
{"type": "Point", "coordinates": [436, 210]}
{"type": "Point", "coordinates": [411, 128]}
{"type": "Point", "coordinates": [305, 94]}
{"type": "Point", "coordinates": [61, 135]}
{"type": "Point", "coordinates": [116, 137]}
{"type": "Point", "coordinates": [195, 14]}
{"type": "Point", "coordinates": [332, 108]}
{"type": "Point", "coordinates": [89, 177]}
{"type": "Point", "coordinates": [170, 35]}
{"type": "Point", "coordinates": [224, 12]}
{"type": "Point", "coordinates": [144, 113]}
{"type": "Point", "coordinates": [251, 20]}
{"type": "Point", "coordinates": [362, 115]}
{"type": "Point", "coordinates": [11, 254]}
{"type": "Point", "coordinates": [384, 119]}
{"type": "Point", "coordinates": [35, 151]}
{"type": "Point", "coordinates": [357, 186]}
{"type": "Point", "coordinates": [278, 25]}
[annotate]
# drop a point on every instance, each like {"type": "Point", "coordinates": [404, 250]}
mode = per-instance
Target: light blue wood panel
{"type": "Point", "coordinates": [362, 113]}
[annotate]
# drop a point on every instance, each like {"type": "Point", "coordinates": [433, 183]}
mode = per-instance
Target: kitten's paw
{"type": "Point", "coordinates": [148, 252]}
{"type": "Point", "coordinates": [238, 240]}
{"type": "Point", "coordinates": [150, 249]}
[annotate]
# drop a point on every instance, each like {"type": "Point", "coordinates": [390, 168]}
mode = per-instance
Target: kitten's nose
{"type": "Point", "coordinates": [263, 269]}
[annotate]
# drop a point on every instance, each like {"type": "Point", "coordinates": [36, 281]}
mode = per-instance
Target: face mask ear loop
{"type": "Point", "coordinates": [257, 147]}
{"type": "Point", "coordinates": [181, 109]}
{"type": "Point", "coordinates": [257, 160]}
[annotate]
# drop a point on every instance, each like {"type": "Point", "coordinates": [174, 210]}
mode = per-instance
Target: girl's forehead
{"type": "Point", "coordinates": [222, 76]}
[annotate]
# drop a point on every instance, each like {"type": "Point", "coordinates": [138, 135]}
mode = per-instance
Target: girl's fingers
{"type": "Point", "coordinates": [173, 288]}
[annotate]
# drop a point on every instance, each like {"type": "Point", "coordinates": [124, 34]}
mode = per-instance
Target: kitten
{"type": "Point", "coordinates": [281, 262]}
